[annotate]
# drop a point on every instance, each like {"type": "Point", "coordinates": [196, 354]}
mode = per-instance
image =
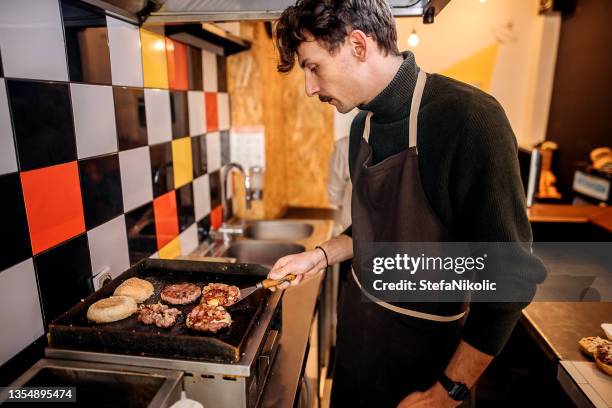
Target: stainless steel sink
{"type": "Point", "coordinates": [261, 252]}
{"type": "Point", "coordinates": [278, 230]}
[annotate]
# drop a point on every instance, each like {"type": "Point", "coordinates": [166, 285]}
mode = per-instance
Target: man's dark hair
{"type": "Point", "coordinates": [329, 22]}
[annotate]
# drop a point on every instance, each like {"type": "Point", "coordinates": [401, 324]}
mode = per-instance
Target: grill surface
{"type": "Point", "coordinates": [72, 330]}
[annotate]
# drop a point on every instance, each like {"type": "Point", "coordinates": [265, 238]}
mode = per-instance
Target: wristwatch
{"type": "Point", "coordinates": [456, 390]}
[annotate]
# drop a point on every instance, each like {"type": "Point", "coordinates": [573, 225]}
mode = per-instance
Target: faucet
{"type": "Point", "coordinates": [247, 183]}
{"type": "Point", "coordinates": [225, 229]}
{"type": "Point", "coordinates": [253, 184]}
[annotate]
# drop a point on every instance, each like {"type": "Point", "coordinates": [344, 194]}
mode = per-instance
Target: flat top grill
{"type": "Point", "coordinates": [73, 331]}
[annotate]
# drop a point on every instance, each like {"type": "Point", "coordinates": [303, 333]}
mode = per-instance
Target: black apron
{"type": "Point", "coordinates": [386, 351]}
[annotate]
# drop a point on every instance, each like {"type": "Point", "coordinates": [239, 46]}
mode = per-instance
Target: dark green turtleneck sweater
{"type": "Point", "coordinates": [470, 174]}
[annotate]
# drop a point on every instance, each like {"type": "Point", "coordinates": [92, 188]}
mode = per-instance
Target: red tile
{"type": "Point", "coordinates": [53, 204]}
{"type": "Point", "coordinates": [176, 54]}
{"type": "Point", "coordinates": [166, 218]}
{"type": "Point", "coordinates": [212, 116]}
{"type": "Point", "coordinates": [216, 217]}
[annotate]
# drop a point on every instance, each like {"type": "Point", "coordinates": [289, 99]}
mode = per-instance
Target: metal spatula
{"type": "Point", "coordinates": [265, 284]}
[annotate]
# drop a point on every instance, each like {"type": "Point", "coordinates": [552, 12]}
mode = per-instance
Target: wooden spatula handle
{"type": "Point", "coordinates": [269, 283]}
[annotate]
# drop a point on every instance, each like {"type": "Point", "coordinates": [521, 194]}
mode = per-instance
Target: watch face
{"type": "Point", "coordinates": [459, 392]}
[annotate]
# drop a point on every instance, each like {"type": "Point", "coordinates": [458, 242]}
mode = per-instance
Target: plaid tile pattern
{"type": "Point", "coordinates": [111, 150]}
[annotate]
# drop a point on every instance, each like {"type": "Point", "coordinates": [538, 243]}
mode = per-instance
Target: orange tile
{"type": "Point", "coordinates": [212, 117]}
{"type": "Point", "coordinates": [53, 204]}
{"type": "Point", "coordinates": [216, 217]}
{"type": "Point", "coordinates": [176, 53]}
{"type": "Point", "coordinates": [166, 218]}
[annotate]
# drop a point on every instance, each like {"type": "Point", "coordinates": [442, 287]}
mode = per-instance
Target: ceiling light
{"type": "Point", "coordinates": [413, 39]}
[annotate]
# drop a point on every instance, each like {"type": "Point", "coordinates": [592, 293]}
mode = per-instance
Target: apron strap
{"type": "Point", "coordinates": [414, 108]}
{"type": "Point", "coordinates": [417, 95]}
{"type": "Point", "coordinates": [366, 129]}
{"type": "Point", "coordinates": [404, 311]}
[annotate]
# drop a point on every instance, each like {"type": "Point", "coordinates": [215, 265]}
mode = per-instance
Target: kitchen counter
{"type": "Point", "coordinates": [565, 213]}
{"type": "Point", "coordinates": [299, 305]}
{"type": "Point", "coordinates": [558, 326]}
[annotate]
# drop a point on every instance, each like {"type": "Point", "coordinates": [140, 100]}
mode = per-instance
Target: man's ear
{"type": "Point", "coordinates": [358, 41]}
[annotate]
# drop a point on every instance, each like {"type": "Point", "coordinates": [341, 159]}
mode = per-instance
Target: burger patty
{"type": "Point", "coordinates": [208, 318]}
{"type": "Point", "coordinates": [181, 293]}
{"type": "Point", "coordinates": [220, 294]}
{"type": "Point", "coordinates": [159, 314]}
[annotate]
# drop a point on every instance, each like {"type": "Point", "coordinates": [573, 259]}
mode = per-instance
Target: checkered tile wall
{"type": "Point", "coordinates": [111, 141]}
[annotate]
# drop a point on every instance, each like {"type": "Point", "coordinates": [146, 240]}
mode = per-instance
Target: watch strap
{"type": "Point", "coordinates": [456, 390]}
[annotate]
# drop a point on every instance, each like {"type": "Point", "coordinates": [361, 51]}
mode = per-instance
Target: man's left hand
{"type": "Point", "coordinates": [435, 397]}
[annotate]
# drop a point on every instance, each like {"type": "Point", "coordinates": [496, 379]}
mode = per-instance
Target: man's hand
{"type": "Point", "coordinates": [307, 264]}
{"type": "Point", "coordinates": [303, 265]}
{"type": "Point", "coordinates": [435, 397]}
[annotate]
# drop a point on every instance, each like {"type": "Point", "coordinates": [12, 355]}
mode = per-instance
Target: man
{"type": "Point", "coordinates": [452, 177]}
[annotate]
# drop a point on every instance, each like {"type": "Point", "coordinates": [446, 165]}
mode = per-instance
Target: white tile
{"type": "Point", "coordinates": [189, 240]}
{"type": "Point", "coordinates": [213, 151]}
{"type": "Point", "coordinates": [135, 165]}
{"type": "Point", "coordinates": [209, 71]}
{"type": "Point", "coordinates": [201, 197]}
{"type": "Point", "coordinates": [197, 114]}
{"type": "Point", "coordinates": [157, 108]}
{"type": "Point", "coordinates": [94, 119]}
{"type": "Point", "coordinates": [20, 311]}
{"type": "Point", "coordinates": [108, 247]}
{"type": "Point", "coordinates": [32, 40]}
{"type": "Point", "coordinates": [125, 53]}
{"type": "Point", "coordinates": [223, 109]}
{"type": "Point", "coordinates": [8, 161]}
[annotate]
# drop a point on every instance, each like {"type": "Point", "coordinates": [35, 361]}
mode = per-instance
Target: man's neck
{"type": "Point", "coordinates": [382, 74]}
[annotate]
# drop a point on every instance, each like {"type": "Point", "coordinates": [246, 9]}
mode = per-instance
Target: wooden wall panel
{"type": "Point", "coordinates": [298, 129]}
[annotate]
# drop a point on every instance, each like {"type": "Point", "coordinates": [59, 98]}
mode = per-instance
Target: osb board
{"type": "Point", "coordinates": [308, 128]}
{"type": "Point", "coordinates": [298, 129]}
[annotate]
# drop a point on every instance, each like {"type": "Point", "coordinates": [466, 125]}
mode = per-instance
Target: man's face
{"type": "Point", "coordinates": [330, 77]}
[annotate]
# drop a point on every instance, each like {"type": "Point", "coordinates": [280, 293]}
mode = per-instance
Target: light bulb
{"type": "Point", "coordinates": [158, 45]}
{"type": "Point", "coordinates": [413, 39]}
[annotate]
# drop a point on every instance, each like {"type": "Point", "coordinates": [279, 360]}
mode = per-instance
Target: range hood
{"type": "Point", "coordinates": [197, 11]}
{"type": "Point", "coordinates": [191, 21]}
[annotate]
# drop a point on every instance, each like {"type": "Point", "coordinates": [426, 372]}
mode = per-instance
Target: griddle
{"type": "Point", "coordinates": [73, 331]}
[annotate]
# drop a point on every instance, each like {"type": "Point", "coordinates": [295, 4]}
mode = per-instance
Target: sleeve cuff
{"type": "Point", "coordinates": [489, 325]}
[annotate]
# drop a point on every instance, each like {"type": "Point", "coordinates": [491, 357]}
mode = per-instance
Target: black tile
{"type": "Point", "coordinates": [130, 117]}
{"type": "Point", "coordinates": [198, 155]}
{"type": "Point", "coordinates": [16, 247]}
{"type": "Point", "coordinates": [42, 122]}
{"type": "Point", "coordinates": [221, 73]}
{"type": "Point", "coordinates": [225, 147]}
{"type": "Point", "coordinates": [215, 188]}
{"type": "Point", "coordinates": [101, 189]}
{"type": "Point", "coordinates": [184, 206]}
{"type": "Point", "coordinates": [86, 43]}
{"type": "Point", "coordinates": [194, 65]}
{"type": "Point", "coordinates": [64, 276]}
{"type": "Point", "coordinates": [141, 232]}
{"type": "Point", "coordinates": [204, 228]}
{"type": "Point", "coordinates": [161, 168]}
{"type": "Point", "coordinates": [179, 112]}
